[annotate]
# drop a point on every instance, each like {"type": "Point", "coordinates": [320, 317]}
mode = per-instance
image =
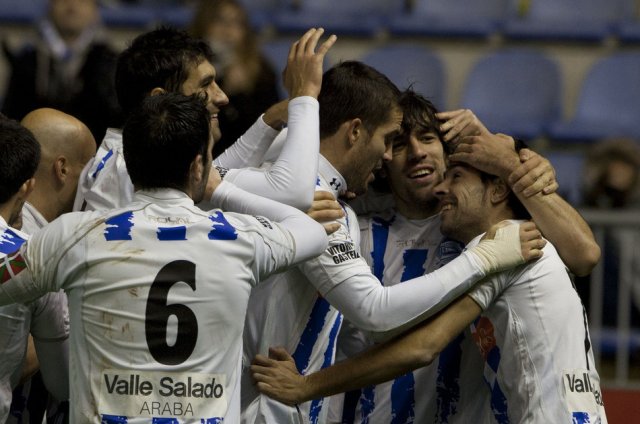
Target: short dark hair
{"type": "Point", "coordinates": [352, 90]}
{"type": "Point", "coordinates": [159, 58]}
{"type": "Point", "coordinates": [162, 137]}
{"type": "Point", "coordinates": [418, 112]}
{"type": "Point", "coordinates": [19, 156]}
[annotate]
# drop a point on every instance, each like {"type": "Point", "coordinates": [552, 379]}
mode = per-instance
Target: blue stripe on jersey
{"type": "Point", "coordinates": [172, 233]}
{"type": "Point", "coordinates": [448, 379]}
{"type": "Point", "coordinates": [113, 419]}
{"type": "Point", "coordinates": [10, 242]}
{"type": "Point", "coordinates": [413, 260]}
{"type": "Point", "coordinates": [161, 420]}
{"type": "Point", "coordinates": [102, 163]}
{"type": "Point", "coordinates": [119, 227]}
{"type": "Point", "coordinates": [216, 420]}
{"type": "Point", "coordinates": [316, 322]}
{"type": "Point", "coordinates": [367, 403]}
{"type": "Point", "coordinates": [329, 354]}
{"type": "Point", "coordinates": [499, 404]}
{"type": "Point", "coordinates": [222, 230]}
{"type": "Point", "coordinates": [402, 399]}
{"type": "Point", "coordinates": [380, 234]}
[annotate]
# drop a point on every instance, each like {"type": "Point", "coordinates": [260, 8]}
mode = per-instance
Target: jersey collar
{"type": "Point", "coordinates": [164, 196]}
{"type": "Point", "coordinates": [332, 177]}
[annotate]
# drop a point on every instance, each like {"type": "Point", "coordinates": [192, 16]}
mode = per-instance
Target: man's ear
{"type": "Point", "coordinates": [61, 168]}
{"type": "Point", "coordinates": [26, 188]}
{"type": "Point", "coordinates": [499, 191]}
{"type": "Point", "coordinates": [196, 169]}
{"type": "Point", "coordinates": [157, 90]}
{"type": "Point", "coordinates": [355, 130]}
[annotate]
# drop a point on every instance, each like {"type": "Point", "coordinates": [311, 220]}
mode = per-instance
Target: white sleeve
{"type": "Point", "coordinates": [104, 183]}
{"type": "Point", "coordinates": [50, 331]}
{"type": "Point", "coordinates": [35, 269]}
{"type": "Point", "coordinates": [292, 178]}
{"type": "Point", "coordinates": [18, 285]}
{"type": "Point", "coordinates": [309, 236]}
{"type": "Point", "coordinates": [379, 309]}
{"type": "Point", "coordinates": [250, 148]}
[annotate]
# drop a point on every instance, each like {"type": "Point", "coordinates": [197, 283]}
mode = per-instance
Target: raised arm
{"type": "Point", "coordinates": [291, 179]}
{"type": "Point", "coordinates": [532, 179]}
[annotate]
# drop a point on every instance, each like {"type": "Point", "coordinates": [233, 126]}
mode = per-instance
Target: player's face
{"type": "Point", "coordinates": [416, 167]}
{"type": "Point", "coordinates": [202, 80]}
{"type": "Point", "coordinates": [463, 203]}
{"type": "Point", "coordinates": [372, 151]}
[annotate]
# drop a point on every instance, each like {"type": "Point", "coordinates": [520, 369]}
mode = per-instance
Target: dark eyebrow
{"type": "Point", "coordinates": [207, 80]}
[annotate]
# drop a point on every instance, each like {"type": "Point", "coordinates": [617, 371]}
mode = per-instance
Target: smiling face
{"type": "Point", "coordinates": [465, 203]}
{"type": "Point", "coordinates": [370, 152]}
{"type": "Point", "coordinates": [416, 167]}
{"type": "Point", "coordinates": [202, 80]}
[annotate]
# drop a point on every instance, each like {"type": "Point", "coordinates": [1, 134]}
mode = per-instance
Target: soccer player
{"type": "Point", "coordinates": [46, 318]}
{"type": "Point", "coordinates": [533, 347]}
{"type": "Point", "coordinates": [66, 145]}
{"type": "Point", "coordinates": [359, 118]}
{"type": "Point", "coordinates": [170, 60]}
{"type": "Point", "coordinates": [405, 241]}
{"type": "Point", "coordinates": [157, 290]}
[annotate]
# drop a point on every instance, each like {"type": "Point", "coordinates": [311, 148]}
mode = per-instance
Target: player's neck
{"type": "Point", "coordinates": [417, 210]}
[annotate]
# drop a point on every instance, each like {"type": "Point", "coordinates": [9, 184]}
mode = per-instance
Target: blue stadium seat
{"type": "Point", "coordinates": [569, 168]}
{"type": "Point", "coordinates": [517, 92]}
{"type": "Point", "coordinates": [178, 15]}
{"type": "Point", "coordinates": [21, 11]}
{"type": "Point", "coordinates": [411, 65]}
{"type": "Point", "coordinates": [582, 20]}
{"type": "Point", "coordinates": [130, 16]}
{"type": "Point", "coordinates": [607, 104]}
{"type": "Point", "coordinates": [276, 53]}
{"type": "Point", "coordinates": [450, 18]}
{"type": "Point", "coordinates": [352, 17]}
{"type": "Point", "coordinates": [260, 11]}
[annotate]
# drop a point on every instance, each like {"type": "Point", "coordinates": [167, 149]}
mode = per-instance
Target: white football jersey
{"type": "Point", "coordinates": [105, 183]}
{"type": "Point", "coordinates": [46, 318]}
{"type": "Point", "coordinates": [398, 249]}
{"type": "Point", "coordinates": [289, 311]}
{"type": "Point", "coordinates": [157, 293]}
{"type": "Point", "coordinates": [533, 339]}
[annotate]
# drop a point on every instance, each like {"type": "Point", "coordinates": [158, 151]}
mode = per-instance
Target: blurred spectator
{"type": "Point", "coordinates": [70, 67]}
{"type": "Point", "coordinates": [612, 181]}
{"type": "Point", "coordinates": [612, 173]}
{"type": "Point", "coordinates": [245, 75]}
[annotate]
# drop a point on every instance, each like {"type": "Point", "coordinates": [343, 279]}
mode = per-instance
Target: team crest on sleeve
{"type": "Point", "coordinates": [11, 266]}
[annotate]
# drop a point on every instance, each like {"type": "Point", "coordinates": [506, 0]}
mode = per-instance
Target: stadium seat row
{"type": "Point", "coordinates": [584, 20]}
